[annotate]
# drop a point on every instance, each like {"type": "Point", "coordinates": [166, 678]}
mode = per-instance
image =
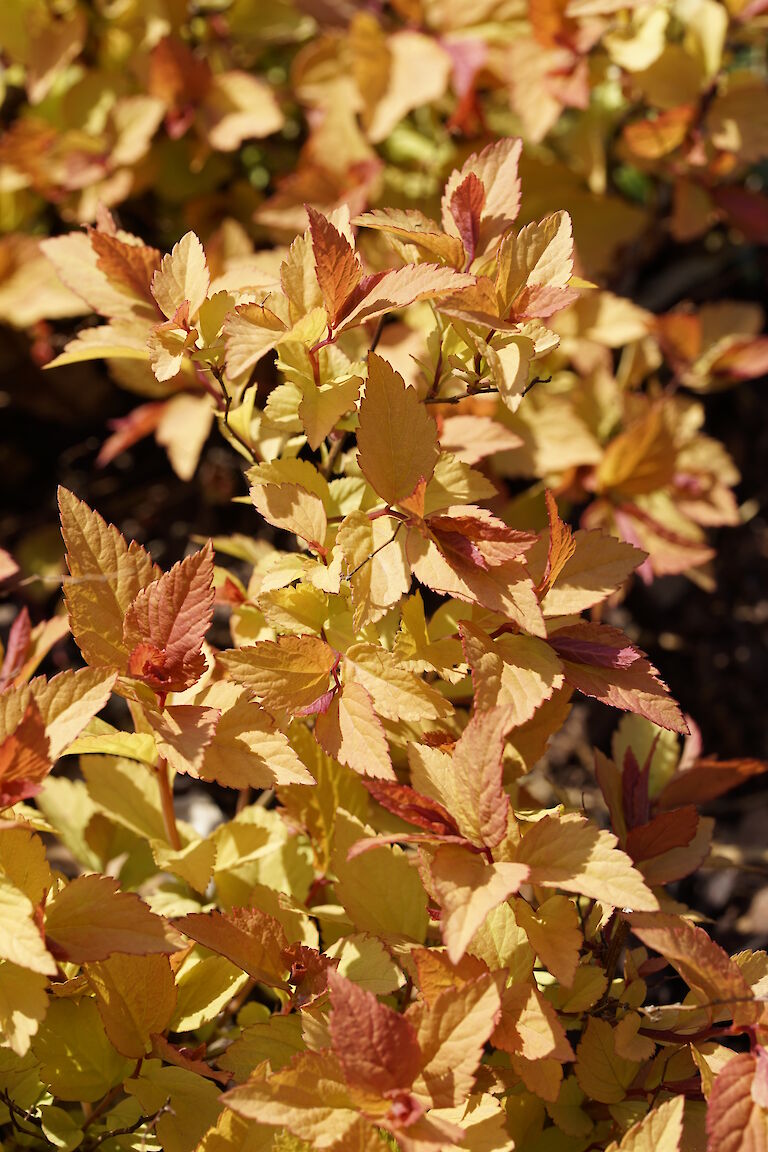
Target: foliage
{"type": "Point", "coordinates": [405, 935]}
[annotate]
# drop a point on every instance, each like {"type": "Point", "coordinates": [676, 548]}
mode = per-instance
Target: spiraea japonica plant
{"type": "Point", "coordinates": [407, 935]}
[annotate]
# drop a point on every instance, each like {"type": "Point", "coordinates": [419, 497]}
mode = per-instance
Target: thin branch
{"type": "Point", "coordinates": [219, 377]}
{"type": "Point", "coordinates": [149, 1121]}
{"type": "Point", "coordinates": [166, 801]}
{"type": "Point", "coordinates": [384, 545]}
{"type": "Point", "coordinates": [377, 334]}
{"type": "Point", "coordinates": [15, 1111]}
{"type": "Point", "coordinates": [333, 454]}
{"type": "Point", "coordinates": [490, 391]}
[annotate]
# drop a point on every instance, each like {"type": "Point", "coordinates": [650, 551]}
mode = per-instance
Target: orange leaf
{"type": "Point", "coordinates": [250, 938]}
{"type": "Point", "coordinates": [90, 919]}
{"type": "Point", "coordinates": [338, 269]}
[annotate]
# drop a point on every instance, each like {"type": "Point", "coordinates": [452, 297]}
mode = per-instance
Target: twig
{"type": "Point", "coordinates": [377, 334]}
{"type": "Point", "coordinates": [490, 391]}
{"type": "Point", "coordinates": [166, 801]}
{"type": "Point", "coordinates": [22, 1113]}
{"type": "Point", "coordinates": [150, 1121]}
{"type": "Point", "coordinates": [333, 454]}
{"type": "Point", "coordinates": [219, 377]}
{"type": "Point", "coordinates": [384, 545]}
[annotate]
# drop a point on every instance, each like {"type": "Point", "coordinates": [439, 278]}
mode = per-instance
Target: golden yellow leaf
{"type": "Point", "coordinates": [183, 277]}
{"type": "Point", "coordinates": [23, 1004]}
{"type": "Point", "coordinates": [77, 1061]}
{"type": "Point", "coordinates": [286, 674]}
{"type": "Point", "coordinates": [107, 575]}
{"type": "Point", "coordinates": [136, 996]}
{"type": "Point", "coordinates": [602, 1074]}
{"type": "Point", "coordinates": [660, 1130]}
{"type": "Point", "coordinates": [380, 890]}
{"type": "Point", "coordinates": [569, 852]}
{"type": "Point", "coordinates": [554, 934]}
{"type": "Point", "coordinates": [468, 888]}
{"type": "Point", "coordinates": [518, 673]}
{"type": "Point", "coordinates": [20, 940]}
{"type": "Point", "coordinates": [397, 438]}
{"type": "Point", "coordinates": [452, 1032]}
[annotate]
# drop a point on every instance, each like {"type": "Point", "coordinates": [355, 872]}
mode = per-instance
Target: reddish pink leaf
{"type": "Point", "coordinates": [665, 831]}
{"type": "Point", "coordinates": [338, 268]}
{"type": "Point", "coordinates": [166, 624]}
{"type": "Point", "coordinates": [24, 759]}
{"type": "Point", "coordinates": [16, 648]}
{"type": "Point", "coordinates": [707, 780]}
{"type": "Point", "coordinates": [376, 1046]}
{"type": "Point", "coordinates": [412, 806]}
{"type": "Point", "coordinates": [466, 206]}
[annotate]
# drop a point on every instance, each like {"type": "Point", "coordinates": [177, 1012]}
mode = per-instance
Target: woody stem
{"type": "Point", "coordinates": [166, 802]}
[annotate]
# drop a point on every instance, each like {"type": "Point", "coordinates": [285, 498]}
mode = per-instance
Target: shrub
{"type": "Point", "coordinates": [407, 933]}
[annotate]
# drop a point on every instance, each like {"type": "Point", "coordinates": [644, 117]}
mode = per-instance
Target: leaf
{"type": "Point", "coordinates": [183, 733]}
{"type": "Point", "coordinates": [136, 996]}
{"type": "Point", "coordinates": [399, 288]}
{"type": "Point", "coordinates": [23, 1004]}
{"type": "Point", "coordinates": [77, 1061]}
{"type": "Point", "coordinates": [660, 1130]}
{"type": "Point", "coordinates": [561, 546]}
{"type": "Point", "coordinates": [413, 227]}
{"type": "Point", "coordinates": [534, 268]}
{"type": "Point", "coordinates": [107, 575]}
{"type": "Point", "coordinates": [23, 862]}
{"type": "Point", "coordinates": [514, 673]}
{"type": "Point", "coordinates": [468, 888]}
{"type": "Point", "coordinates": [364, 960]}
{"type": "Point", "coordinates": [166, 624]}
{"type": "Point", "coordinates": [397, 438]}
{"type": "Point", "coordinates": [322, 408]}
{"type": "Point", "coordinates": [597, 566]}
{"type": "Point", "coordinates": [20, 939]}
{"type": "Point", "coordinates": [287, 674]}
{"type": "Point", "coordinates": [736, 1122]}
{"type": "Point", "coordinates": [569, 852]}
{"type": "Point", "coordinates": [309, 1097]}
{"type": "Point", "coordinates": [250, 332]}
{"type": "Point", "coordinates": [238, 107]}
{"type": "Point", "coordinates": [375, 564]}
{"type": "Point", "coordinates": [381, 891]}
{"type": "Point", "coordinates": [376, 1046]}
{"type": "Point", "coordinates": [477, 798]}
{"type": "Point", "coordinates": [707, 970]}
{"type": "Point", "coordinates": [68, 701]}
{"type": "Point", "coordinates": [529, 1027]}
{"type": "Point", "coordinates": [248, 937]}
{"type": "Point", "coordinates": [25, 759]}
{"type": "Point", "coordinates": [338, 269]}
{"type": "Point", "coordinates": [352, 733]}
{"type": "Point", "coordinates": [246, 748]}
{"type": "Point", "coordinates": [496, 168]}
{"type": "Point", "coordinates": [90, 919]}
{"type": "Point", "coordinates": [183, 277]}
{"type": "Point", "coordinates": [706, 780]}
{"type": "Point", "coordinates": [602, 1074]}
{"type": "Point", "coordinates": [294, 509]}
{"type": "Point", "coordinates": [601, 662]}
{"type": "Point", "coordinates": [452, 1032]}
{"type": "Point", "coordinates": [554, 934]}
{"type": "Point", "coordinates": [276, 1039]}
{"type": "Point", "coordinates": [129, 266]}
{"type": "Point", "coordinates": [397, 694]}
